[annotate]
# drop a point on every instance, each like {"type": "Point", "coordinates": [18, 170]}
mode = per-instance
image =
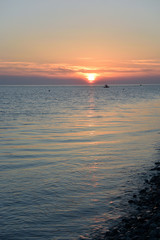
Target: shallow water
{"type": "Point", "coordinates": [71, 155]}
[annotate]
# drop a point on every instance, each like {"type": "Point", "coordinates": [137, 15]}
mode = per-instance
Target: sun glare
{"type": "Point", "coordinates": [91, 77]}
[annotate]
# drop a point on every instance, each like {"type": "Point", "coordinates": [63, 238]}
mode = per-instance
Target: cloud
{"type": "Point", "coordinates": [154, 62]}
{"type": "Point", "coordinates": [50, 70]}
{"type": "Point", "coordinates": [30, 68]}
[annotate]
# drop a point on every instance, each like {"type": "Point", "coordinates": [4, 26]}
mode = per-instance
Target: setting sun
{"type": "Point", "coordinates": [91, 77]}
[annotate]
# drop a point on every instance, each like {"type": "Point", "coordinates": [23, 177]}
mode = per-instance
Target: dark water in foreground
{"type": "Point", "coordinates": [71, 156]}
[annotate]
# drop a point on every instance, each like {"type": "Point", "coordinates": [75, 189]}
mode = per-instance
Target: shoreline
{"type": "Point", "coordinates": [144, 222]}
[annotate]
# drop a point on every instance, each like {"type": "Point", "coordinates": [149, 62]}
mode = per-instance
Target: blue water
{"type": "Point", "coordinates": [71, 156]}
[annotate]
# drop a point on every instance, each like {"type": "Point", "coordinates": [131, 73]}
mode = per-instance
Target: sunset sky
{"type": "Point", "coordinates": [64, 41]}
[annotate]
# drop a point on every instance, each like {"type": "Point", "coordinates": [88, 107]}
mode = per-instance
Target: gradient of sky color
{"type": "Point", "coordinates": [68, 39]}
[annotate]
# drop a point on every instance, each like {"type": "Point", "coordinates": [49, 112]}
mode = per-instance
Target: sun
{"type": "Point", "coordinates": [91, 77]}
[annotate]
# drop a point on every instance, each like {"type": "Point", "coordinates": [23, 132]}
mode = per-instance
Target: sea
{"type": "Point", "coordinates": [72, 156]}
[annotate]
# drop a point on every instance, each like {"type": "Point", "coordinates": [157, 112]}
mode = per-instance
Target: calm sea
{"type": "Point", "coordinates": [70, 157]}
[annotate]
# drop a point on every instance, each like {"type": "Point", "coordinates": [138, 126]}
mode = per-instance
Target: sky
{"type": "Point", "coordinates": [79, 41]}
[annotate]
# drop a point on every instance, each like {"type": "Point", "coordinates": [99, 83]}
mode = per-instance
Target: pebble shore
{"type": "Point", "coordinates": [145, 224]}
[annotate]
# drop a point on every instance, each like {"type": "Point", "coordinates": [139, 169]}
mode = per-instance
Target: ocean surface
{"type": "Point", "coordinates": [71, 156]}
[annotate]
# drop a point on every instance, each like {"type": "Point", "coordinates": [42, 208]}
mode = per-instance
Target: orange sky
{"type": "Point", "coordinates": [62, 39]}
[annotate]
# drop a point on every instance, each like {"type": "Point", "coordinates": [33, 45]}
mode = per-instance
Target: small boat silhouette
{"type": "Point", "coordinates": [106, 86]}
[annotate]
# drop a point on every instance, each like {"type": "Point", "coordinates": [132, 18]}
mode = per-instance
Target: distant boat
{"type": "Point", "coordinates": [106, 86]}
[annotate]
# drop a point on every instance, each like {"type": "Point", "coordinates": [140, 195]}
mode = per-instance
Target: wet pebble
{"type": "Point", "coordinates": [146, 223]}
